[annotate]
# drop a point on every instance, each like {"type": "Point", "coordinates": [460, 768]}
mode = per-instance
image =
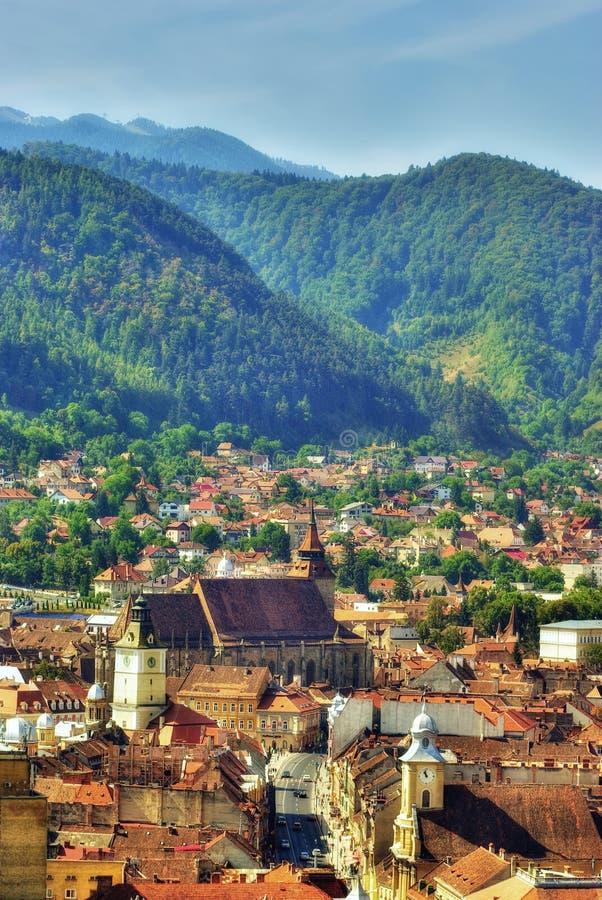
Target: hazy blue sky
{"type": "Point", "coordinates": [355, 85]}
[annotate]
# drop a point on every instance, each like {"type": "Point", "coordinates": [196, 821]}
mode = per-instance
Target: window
{"type": "Point", "coordinates": [241, 724]}
{"type": "Point", "coordinates": [206, 706]}
{"type": "Point", "coordinates": [232, 723]}
{"type": "Point", "coordinates": [215, 706]}
{"type": "Point", "coordinates": [241, 707]}
{"type": "Point", "coordinates": [285, 726]}
{"type": "Point", "coordinates": [250, 724]}
{"type": "Point", "coordinates": [250, 707]}
{"type": "Point", "coordinates": [224, 707]}
{"type": "Point", "coordinates": [198, 705]}
{"type": "Point", "coordinates": [70, 894]}
{"type": "Point", "coordinates": [233, 707]}
{"type": "Point", "coordinates": [263, 723]}
{"type": "Point", "coordinates": [49, 894]}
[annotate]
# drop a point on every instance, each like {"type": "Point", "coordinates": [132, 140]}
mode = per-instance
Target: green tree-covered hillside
{"type": "Point", "coordinates": [481, 264]}
{"type": "Point", "coordinates": [108, 291]}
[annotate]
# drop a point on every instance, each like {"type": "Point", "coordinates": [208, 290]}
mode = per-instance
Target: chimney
{"type": "Point", "coordinates": [513, 865]}
{"type": "Point", "coordinates": [491, 848]}
{"type": "Point", "coordinates": [502, 853]}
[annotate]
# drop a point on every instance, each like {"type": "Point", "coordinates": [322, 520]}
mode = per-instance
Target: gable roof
{"type": "Point", "coordinates": [530, 820]}
{"type": "Point", "coordinates": [256, 608]}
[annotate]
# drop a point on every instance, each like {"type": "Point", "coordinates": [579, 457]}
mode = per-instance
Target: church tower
{"type": "Point", "coordinates": [311, 563]}
{"type": "Point", "coordinates": [140, 672]}
{"type": "Point", "coordinates": [422, 782]}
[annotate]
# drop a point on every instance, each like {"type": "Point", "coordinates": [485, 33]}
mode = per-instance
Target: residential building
{"type": "Point", "coordinates": [568, 641]}
{"type": "Point", "coordinates": [228, 694]}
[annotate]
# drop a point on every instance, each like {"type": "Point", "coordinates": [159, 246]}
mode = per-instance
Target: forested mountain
{"type": "Point", "coordinates": [122, 312]}
{"type": "Point", "coordinates": [144, 138]}
{"type": "Point", "coordinates": [478, 264]}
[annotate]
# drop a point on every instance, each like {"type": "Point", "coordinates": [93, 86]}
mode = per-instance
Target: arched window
{"type": "Point", "coordinates": [310, 672]}
{"type": "Point", "coordinates": [426, 799]}
{"type": "Point", "coordinates": [290, 671]}
{"type": "Point", "coordinates": [355, 676]}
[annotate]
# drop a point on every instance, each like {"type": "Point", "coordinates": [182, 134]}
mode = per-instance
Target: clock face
{"type": "Point", "coordinates": [426, 776]}
{"type": "Point", "coordinates": [151, 661]}
{"type": "Point", "coordinates": [126, 660]}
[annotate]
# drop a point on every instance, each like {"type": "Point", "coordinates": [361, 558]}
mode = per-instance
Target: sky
{"type": "Point", "coordinates": [357, 86]}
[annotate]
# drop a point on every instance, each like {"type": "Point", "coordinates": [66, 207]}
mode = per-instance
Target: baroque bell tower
{"type": "Point", "coordinates": [422, 783]}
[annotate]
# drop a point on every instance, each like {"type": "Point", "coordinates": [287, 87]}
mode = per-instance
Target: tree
{"type": "Point", "coordinates": [207, 535]}
{"type": "Point", "coordinates": [463, 564]}
{"type": "Point", "coordinates": [403, 587]}
{"type": "Point", "coordinates": [547, 578]}
{"type": "Point", "coordinates": [292, 492]}
{"type": "Point", "coordinates": [593, 656]}
{"type": "Point", "coordinates": [534, 532]}
{"type": "Point", "coordinates": [448, 519]}
{"type": "Point", "coordinates": [450, 639]}
{"type": "Point", "coordinates": [276, 540]}
{"type": "Point", "coordinates": [125, 540]}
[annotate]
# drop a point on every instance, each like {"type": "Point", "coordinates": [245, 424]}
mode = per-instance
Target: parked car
{"type": "Point", "coordinates": [286, 774]}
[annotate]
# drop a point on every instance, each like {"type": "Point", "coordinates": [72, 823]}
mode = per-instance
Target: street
{"type": "Point", "coordinates": [297, 821]}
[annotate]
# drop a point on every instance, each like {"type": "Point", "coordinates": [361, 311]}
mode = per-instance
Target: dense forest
{"type": "Point", "coordinates": [120, 313]}
{"type": "Point", "coordinates": [143, 138]}
{"type": "Point", "coordinates": [479, 265]}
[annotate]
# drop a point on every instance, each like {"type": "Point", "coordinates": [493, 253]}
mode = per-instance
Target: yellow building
{"type": "Point", "coordinates": [80, 879]}
{"type": "Point", "coordinates": [288, 719]}
{"type": "Point", "coordinates": [228, 694]}
{"type": "Point", "coordinates": [23, 831]}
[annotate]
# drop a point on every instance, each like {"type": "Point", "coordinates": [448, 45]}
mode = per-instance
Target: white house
{"type": "Point", "coordinates": [568, 641]}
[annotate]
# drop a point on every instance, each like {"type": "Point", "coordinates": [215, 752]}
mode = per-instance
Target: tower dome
{"type": "Point", "coordinates": [96, 692]}
{"type": "Point", "coordinates": [18, 731]}
{"type": "Point", "coordinates": [45, 721]}
{"type": "Point", "coordinates": [423, 722]}
{"type": "Point", "coordinates": [225, 568]}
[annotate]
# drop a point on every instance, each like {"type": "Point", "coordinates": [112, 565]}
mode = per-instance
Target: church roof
{"type": "Point", "coordinates": [258, 608]}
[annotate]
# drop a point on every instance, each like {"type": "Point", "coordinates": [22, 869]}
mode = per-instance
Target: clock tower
{"type": "Point", "coordinates": [422, 780]}
{"type": "Point", "coordinates": [140, 671]}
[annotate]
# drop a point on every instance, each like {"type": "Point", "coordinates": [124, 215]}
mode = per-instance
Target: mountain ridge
{"type": "Point", "coordinates": [121, 313]}
{"type": "Point", "coordinates": [476, 250]}
{"type": "Point", "coordinates": [195, 145]}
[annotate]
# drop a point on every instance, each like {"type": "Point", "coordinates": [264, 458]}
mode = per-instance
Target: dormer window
{"type": "Point", "coordinates": [425, 742]}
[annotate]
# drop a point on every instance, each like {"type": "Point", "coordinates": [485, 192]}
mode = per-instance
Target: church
{"type": "Point", "coordinates": [285, 623]}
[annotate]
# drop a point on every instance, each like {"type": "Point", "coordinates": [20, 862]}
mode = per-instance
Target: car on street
{"type": "Point", "coordinates": [296, 825]}
{"type": "Point", "coordinates": [304, 856]}
{"type": "Point", "coordinates": [285, 844]}
{"type": "Point", "coordinates": [301, 794]}
{"type": "Point", "coordinates": [281, 820]}
{"type": "Point", "coordinates": [307, 777]}
{"type": "Point", "coordinates": [286, 774]}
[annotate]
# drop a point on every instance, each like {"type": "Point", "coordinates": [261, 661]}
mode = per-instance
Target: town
{"type": "Point", "coordinates": [373, 672]}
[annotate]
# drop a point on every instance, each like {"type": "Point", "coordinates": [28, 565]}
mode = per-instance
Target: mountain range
{"type": "Point", "coordinates": [122, 314]}
{"type": "Point", "coordinates": [144, 138]}
{"type": "Point", "coordinates": [479, 264]}
{"type": "Point", "coordinates": [460, 299]}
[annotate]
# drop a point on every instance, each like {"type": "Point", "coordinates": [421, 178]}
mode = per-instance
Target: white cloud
{"type": "Point", "coordinates": [512, 22]}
